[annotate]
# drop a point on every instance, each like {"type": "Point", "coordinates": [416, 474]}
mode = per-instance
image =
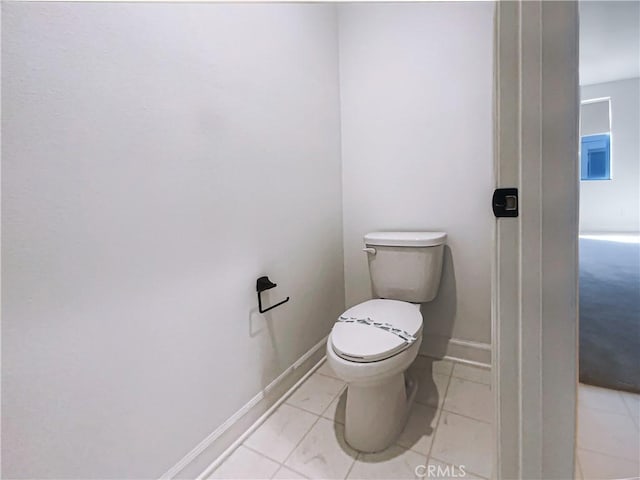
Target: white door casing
{"type": "Point", "coordinates": [535, 271]}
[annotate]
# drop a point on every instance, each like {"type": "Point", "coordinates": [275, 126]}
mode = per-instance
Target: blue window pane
{"type": "Point", "coordinates": [597, 164]}
{"type": "Point", "coordinates": [595, 157]}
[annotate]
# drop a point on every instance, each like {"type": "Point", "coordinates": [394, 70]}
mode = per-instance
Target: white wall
{"type": "Point", "coordinates": [157, 159]}
{"type": "Point", "coordinates": [416, 98]}
{"type": "Point", "coordinates": [609, 46]}
{"type": "Point", "coordinates": [614, 205]}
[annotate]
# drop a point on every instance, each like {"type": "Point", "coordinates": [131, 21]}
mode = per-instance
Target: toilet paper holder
{"type": "Point", "coordinates": [262, 284]}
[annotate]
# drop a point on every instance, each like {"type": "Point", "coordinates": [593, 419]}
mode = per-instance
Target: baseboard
{"type": "Point", "coordinates": [224, 439]}
{"type": "Point", "coordinates": [439, 346]}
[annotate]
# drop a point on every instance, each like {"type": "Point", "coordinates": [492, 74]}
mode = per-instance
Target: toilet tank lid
{"type": "Point", "coordinates": [405, 239]}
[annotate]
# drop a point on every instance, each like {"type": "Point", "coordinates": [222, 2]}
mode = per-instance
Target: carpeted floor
{"type": "Point", "coordinates": [610, 313]}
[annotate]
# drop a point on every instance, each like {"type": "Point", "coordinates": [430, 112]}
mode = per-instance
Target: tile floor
{"type": "Point", "coordinates": [608, 434]}
{"type": "Point", "coordinates": [449, 425]}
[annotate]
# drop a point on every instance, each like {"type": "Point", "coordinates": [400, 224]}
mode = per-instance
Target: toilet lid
{"type": "Point", "coordinates": [376, 329]}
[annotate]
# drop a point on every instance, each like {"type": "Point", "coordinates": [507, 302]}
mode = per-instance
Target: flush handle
{"type": "Point", "coordinates": [370, 250]}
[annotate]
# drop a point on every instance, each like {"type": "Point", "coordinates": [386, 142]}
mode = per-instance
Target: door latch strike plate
{"type": "Point", "coordinates": [505, 202]}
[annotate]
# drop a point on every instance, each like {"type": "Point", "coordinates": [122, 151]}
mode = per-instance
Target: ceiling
{"type": "Point", "coordinates": [609, 40]}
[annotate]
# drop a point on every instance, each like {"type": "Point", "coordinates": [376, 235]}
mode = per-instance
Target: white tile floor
{"type": "Point", "coordinates": [608, 434]}
{"type": "Point", "coordinates": [449, 425]}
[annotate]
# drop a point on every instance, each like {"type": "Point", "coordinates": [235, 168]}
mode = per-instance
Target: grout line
{"type": "Point", "coordinates": [284, 462]}
{"type": "Point", "coordinates": [467, 416]}
{"type": "Point", "coordinates": [488, 422]}
{"type": "Point", "coordinates": [243, 444]}
{"type": "Point", "coordinates": [319, 416]}
{"type": "Point", "coordinates": [634, 418]}
{"type": "Point", "coordinates": [610, 393]}
{"type": "Point", "coordinates": [636, 421]}
{"type": "Point", "coordinates": [596, 409]}
{"type": "Point", "coordinates": [337, 397]}
{"type": "Point", "coordinates": [301, 439]}
{"type": "Point", "coordinates": [435, 432]}
{"type": "Point", "coordinates": [352, 465]}
{"type": "Point", "coordinates": [324, 409]}
{"type": "Point", "coordinates": [302, 409]}
{"type": "Point", "coordinates": [282, 465]}
{"type": "Point", "coordinates": [453, 369]}
{"type": "Point", "coordinates": [294, 471]}
{"type": "Point", "coordinates": [441, 411]}
{"type": "Point", "coordinates": [631, 413]}
{"type": "Point", "coordinates": [472, 381]}
{"type": "Point", "coordinates": [608, 455]}
{"type": "Point", "coordinates": [466, 380]}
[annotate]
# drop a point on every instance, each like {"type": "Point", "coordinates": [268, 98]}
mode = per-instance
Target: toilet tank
{"type": "Point", "coordinates": [405, 266]}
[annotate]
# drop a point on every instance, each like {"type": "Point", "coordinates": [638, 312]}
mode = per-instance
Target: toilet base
{"type": "Point", "coordinates": [376, 413]}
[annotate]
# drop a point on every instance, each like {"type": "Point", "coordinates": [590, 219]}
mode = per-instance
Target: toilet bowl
{"type": "Point", "coordinates": [372, 344]}
{"type": "Point", "coordinates": [371, 357]}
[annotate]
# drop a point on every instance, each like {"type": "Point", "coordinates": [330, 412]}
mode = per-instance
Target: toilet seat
{"type": "Point", "coordinates": [376, 330]}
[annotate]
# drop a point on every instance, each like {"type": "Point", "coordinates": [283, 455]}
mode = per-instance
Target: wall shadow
{"type": "Point", "coordinates": [259, 325]}
{"type": "Point", "coordinates": [439, 315]}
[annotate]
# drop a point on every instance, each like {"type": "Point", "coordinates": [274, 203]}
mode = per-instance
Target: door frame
{"type": "Point", "coordinates": [535, 262]}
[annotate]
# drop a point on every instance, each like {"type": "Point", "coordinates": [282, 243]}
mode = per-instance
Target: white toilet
{"type": "Point", "coordinates": [373, 343]}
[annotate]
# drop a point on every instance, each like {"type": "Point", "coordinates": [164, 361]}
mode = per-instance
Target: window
{"type": "Point", "coordinates": [595, 145]}
{"type": "Point", "coordinates": [595, 157]}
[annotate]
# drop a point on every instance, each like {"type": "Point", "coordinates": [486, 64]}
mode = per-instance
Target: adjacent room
{"type": "Point", "coordinates": [609, 348]}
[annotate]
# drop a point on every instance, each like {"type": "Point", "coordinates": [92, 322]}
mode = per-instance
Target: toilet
{"type": "Point", "coordinates": [373, 343]}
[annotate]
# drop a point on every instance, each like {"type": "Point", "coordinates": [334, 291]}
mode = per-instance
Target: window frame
{"type": "Point", "coordinates": [600, 141]}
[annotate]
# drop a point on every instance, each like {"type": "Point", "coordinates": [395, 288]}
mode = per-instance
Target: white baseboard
{"type": "Point", "coordinates": [473, 353]}
{"type": "Point", "coordinates": [222, 441]}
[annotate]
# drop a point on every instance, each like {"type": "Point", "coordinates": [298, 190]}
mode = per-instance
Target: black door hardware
{"type": "Point", "coordinates": [505, 202]}
{"type": "Point", "coordinates": [262, 284]}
